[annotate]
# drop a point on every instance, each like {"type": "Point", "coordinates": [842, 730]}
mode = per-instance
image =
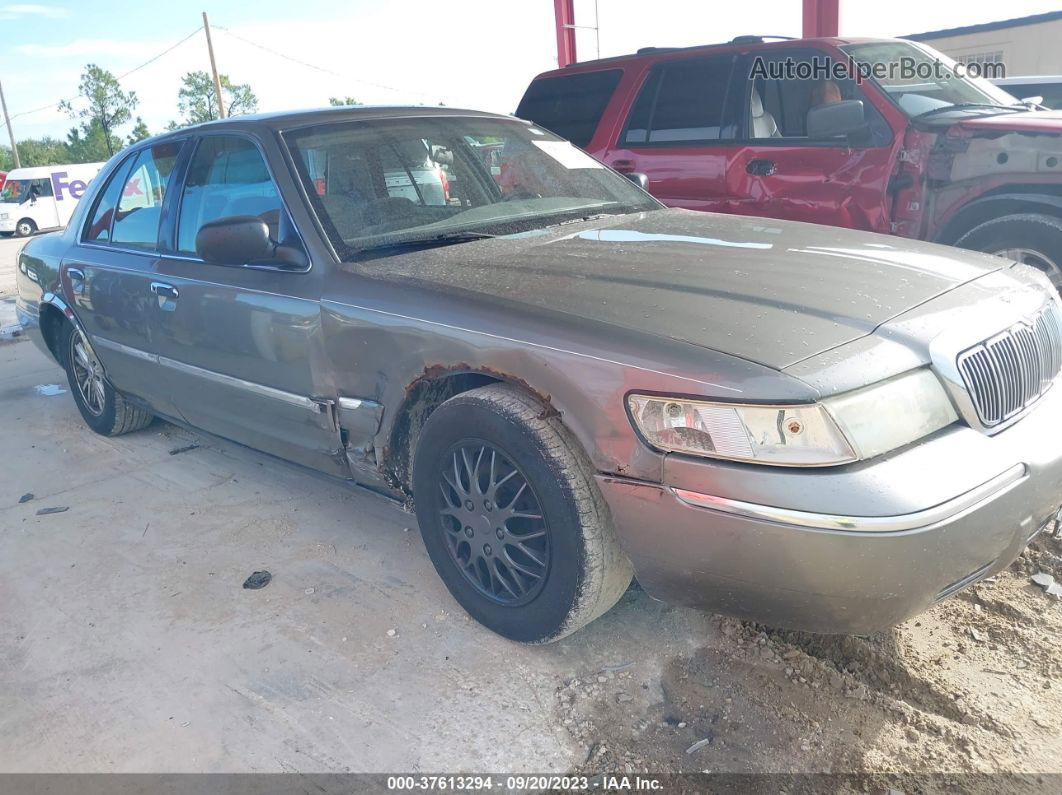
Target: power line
{"type": "Point", "coordinates": [322, 69]}
{"type": "Point", "coordinates": [148, 62]}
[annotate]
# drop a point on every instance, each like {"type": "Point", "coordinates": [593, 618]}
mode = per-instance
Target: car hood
{"type": "Point", "coordinates": [772, 292]}
{"type": "Point", "coordinates": [1039, 121]}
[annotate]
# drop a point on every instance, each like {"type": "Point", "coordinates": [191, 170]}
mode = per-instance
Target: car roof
{"type": "Point", "coordinates": [741, 44]}
{"type": "Point", "coordinates": [292, 119]}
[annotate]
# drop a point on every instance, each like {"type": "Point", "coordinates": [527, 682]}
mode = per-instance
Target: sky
{"type": "Point", "coordinates": [465, 53]}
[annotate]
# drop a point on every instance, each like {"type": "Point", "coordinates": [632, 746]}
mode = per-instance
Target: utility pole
{"type": "Point", "coordinates": [214, 68]}
{"type": "Point", "coordinates": [7, 121]}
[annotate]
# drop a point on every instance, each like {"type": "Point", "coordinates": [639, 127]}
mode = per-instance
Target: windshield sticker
{"type": "Point", "coordinates": [567, 155]}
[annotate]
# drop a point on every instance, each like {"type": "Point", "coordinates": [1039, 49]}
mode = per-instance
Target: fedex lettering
{"type": "Point", "coordinates": [76, 187]}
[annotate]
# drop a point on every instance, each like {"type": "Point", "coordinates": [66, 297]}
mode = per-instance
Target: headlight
{"type": "Point", "coordinates": [838, 430]}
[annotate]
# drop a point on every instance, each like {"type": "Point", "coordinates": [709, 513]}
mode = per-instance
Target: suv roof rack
{"type": "Point", "coordinates": [735, 40]}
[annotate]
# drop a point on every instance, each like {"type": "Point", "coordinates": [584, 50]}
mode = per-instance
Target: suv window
{"type": "Point", "coordinates": [683, 102]}
{"type": "Point", "coordinates": [778, 108]}
{"type": "Point", "coordinates": [99, 227]}
{"type": "Point", "coordinates": [571, 105]}
{"type": "Point", "coordinates": [227, 176]}
{"type": "Point", "coordinates": [136, 219]}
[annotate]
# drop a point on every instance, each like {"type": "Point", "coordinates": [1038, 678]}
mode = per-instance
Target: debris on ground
{"type": "Point", "coordinates": [1047, 582]}
{"type": "Point", "coordinates": [25, 498]}
{"type": "Point", "coordinates": [53, 509]}
{"type": "Point", "coordinates": [185, 449]}
{"type": "Point", "coordinates": [392, 633]}
{"type": "Point", "coordinates": [49, 390]}
{"type": "Point", "coordinates": [258, 579]}
{"type": "Point", "coordinates": [970, 686]}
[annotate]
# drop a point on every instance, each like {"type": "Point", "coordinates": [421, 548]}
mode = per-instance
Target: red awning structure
{"type": "Point", "coordinates": [820, 18]}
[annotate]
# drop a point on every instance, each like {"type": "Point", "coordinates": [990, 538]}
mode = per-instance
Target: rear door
{"type": "Point", "coordinates": [238, 341]}
{"type": "Point", "coordinates": [780, 172]}
{"type": "Point", "coordinates": [681, 132]}
{"type": "Point", "coordinates": [109, 274]}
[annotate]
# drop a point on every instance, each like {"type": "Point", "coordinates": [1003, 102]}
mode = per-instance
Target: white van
{"type": "Point", "coordinates": [42, 197]}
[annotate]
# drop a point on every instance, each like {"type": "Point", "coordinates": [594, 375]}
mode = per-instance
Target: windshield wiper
{"type": "Point", "coordinates": [968, 106]}
{"type": "Point", "coordinates": [441, 239]}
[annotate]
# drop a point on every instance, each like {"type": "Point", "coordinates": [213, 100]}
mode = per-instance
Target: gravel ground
{"type": "Point", "coordinates": [972, 686]}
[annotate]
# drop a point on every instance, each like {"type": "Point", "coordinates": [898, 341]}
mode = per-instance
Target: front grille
{"type": "Point", "coordinates": [1007, 373]}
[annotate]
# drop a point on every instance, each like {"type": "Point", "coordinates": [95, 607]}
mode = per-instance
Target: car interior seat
{"type": "Point", "coordinates": [763, 123]}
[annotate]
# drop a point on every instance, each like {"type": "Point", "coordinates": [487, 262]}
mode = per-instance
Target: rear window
{"type": "Point", "coordinates": [571, 105]}
{"type": "Point", "coordinates": [684, 102]}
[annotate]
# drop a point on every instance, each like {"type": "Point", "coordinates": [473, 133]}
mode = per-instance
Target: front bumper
{"type": "Point", "coordinates": [839, 570]}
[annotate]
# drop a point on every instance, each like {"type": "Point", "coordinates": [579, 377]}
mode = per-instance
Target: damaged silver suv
{"type": "Point", "coordinates": [807, 426]}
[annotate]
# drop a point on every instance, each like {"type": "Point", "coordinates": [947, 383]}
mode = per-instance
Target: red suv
{"type": "Point", "coordinates": [831, 131]}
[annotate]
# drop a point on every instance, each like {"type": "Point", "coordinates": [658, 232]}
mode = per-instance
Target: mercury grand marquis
{"type": "Point", "coordinates": [571, 384]}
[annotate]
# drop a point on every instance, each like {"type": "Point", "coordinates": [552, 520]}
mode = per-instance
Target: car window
{"type": "Point", "coordinates": [98, 228]}
{"type": "Point", "coordinates": [778, 107]}
{"type": "Point", "coordinates": [683, 102]}
{"type": "Point", "coordinates": [378, 183]}
{"type": "Point", "coordinates": [571, 105]}
{"type": "Point", "coordinates": [227, 176]}
{"type": "Point", "coordinates": [136, 218]}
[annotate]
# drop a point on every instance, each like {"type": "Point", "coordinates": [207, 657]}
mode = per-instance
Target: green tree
{"type": "Point", "coordinates": [107, 109]}
{"type": "Point", "coordinates": [90, 144]}
{"type": "Point", "coordinates": [340, 101]}
{"type": "Point", "coordinates": [198, 100]}
{"type": "Point", "coordinates": [139, 133]}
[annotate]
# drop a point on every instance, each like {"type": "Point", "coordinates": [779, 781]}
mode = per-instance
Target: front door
{"type": "Point", "coordinates": [680, 132]}
{"type": "Point", "coordinates": [238, 341]}
{"type": "Point", "coordinates": [781, 173]}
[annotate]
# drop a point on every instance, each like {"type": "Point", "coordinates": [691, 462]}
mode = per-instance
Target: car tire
{"type": "Point", "coordinates": [1029, 238]}
{"type": "Point", "coordinates": [25, 227]}
{"type": "Point", "coordinates": [529, 580]}
{"type": "Point", "coordinates": [105, 410]}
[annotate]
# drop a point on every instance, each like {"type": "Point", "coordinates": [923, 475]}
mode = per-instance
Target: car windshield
{"type": "Point", "coordinates": [14, 190]}
{"type": "Point", "coordinates": [920, 80]}
{"type": "Point", "coordinates": [393, 183]}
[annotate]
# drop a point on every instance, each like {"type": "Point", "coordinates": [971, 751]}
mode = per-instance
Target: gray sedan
{"type": "Point", "coordinates": [800, 425]}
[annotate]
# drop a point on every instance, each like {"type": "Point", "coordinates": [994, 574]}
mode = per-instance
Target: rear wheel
{"type": "Point", "coordinates": [512, 518]}
{"type": "Point", "coordinates": [25, 227]}
{"type": "Point", "coordinates": [1031, 239]}
{"type": "Point", "coordinates": [103, 408]}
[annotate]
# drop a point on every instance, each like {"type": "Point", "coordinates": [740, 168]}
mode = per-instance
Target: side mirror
{"type": "Point", "coordinates": [638, 178]}
{"type": "Point", "coordinates": [235, 240]}
{"type": "Point", "coordinates": [1032, 101]}
{"type": "Point", "coordinates": [836, 120]}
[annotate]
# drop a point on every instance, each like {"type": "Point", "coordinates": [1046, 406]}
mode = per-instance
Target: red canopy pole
{"type": "Point", "coordinates": [821, 18]}
{"type": "Point", "coordinates": [565, 13]}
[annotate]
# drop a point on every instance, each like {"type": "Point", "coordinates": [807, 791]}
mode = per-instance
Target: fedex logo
{"type": "Point", "coordinates": [76, 187]}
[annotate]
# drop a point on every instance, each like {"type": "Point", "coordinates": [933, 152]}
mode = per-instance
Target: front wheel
{"type": "Point", "coordinates": [25, 227]}
{"type": "Point", "coordinates": [1031, 239]}
{"type": "Point", "coordinates": [104, 409]}
{"type": "Point", "coordinates": [512, 518]}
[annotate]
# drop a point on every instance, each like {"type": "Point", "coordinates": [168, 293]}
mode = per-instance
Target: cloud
{"type": "Point", "coordinates": [89, 48]}
{"type": "Point", "coordinates": [18, 10]}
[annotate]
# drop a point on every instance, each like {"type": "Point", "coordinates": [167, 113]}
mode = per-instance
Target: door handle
{"type": "Point", "coordinates": [761, 167]}
{"type": "Point", "coordinates": [75, 274]}
{"type": "Point", "coordinates": [164, 290]}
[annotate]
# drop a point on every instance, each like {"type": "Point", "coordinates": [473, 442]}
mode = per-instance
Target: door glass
{"type": "Point", "coordinates": [227, 177]}
{"type": "Point", "coordinates": [99, 227]}
{"type": "Point", "coordinates": [684, 101]}
{"type": "Point", "coordinates": [571, 105]}
{"type": "Point", "coordinates": [778, 107]}
{"type": "Point", "coordinates": [136, 221]}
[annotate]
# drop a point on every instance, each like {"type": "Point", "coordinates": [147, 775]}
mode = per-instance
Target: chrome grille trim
{"type": "Point", "coordinates": [1007, 373]}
